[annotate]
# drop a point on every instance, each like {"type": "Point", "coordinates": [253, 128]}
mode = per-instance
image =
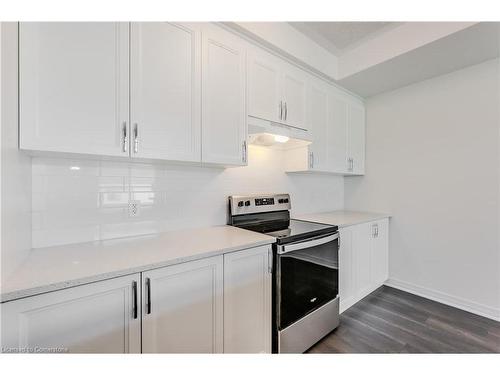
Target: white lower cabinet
{"type": "Point", "coordinates": [101, 317]}
{"type": "Point", "coordinates": [363, 258]}
{"type": "Point", "coordinates": [182, 308]}
{"type": "Point", "coordinates": [347, 288]}
{"type": "Point", "coordinates": [247, 301]}
{"type": "Point", "coordinates": [212, 305]}
{"type": "Point", "coordinates": [379, 252]}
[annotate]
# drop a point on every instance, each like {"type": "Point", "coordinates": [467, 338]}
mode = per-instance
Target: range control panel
{"type": "Point", "coordinates": [264, 201]}
{"type": "Point", "coordinates": [240, 204]}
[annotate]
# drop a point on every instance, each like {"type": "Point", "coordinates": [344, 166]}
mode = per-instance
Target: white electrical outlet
{"type": "Point", "coordinates": [133, 208]}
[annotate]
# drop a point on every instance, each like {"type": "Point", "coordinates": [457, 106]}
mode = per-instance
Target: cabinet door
{"type": "Point", "coordinates": [247, 301]}
{"type": "Point", "coordinates": [294, 97]}
{"type": "Point", "coordinates": [361, 243]}
{"type": "Point", "coordinates": [165, 91]}
{"type": "Point", "coordinates": [94, 318]}
{"type": "Point", "coordinates": [338, 141]}
{"type": "Point", "coordinates": [224, 126]}
{"type": "Point", "coordinates": [264, 94]}
{"type": "Point", "coordinates": [182, 308]}
{"type": "Point", "coordinates": [73, 87]}
{"type": "Point", "coordinates": [318, 115]}
{"type": "Point", "coordinates": [356, 117]}
{"type": "Point", "coordinates": [380, 252]}
{"type": "Point", "coordinates": [347, 271]}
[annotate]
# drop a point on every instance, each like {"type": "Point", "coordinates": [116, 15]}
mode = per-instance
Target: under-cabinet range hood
{"type": "Point", "coordinates": [276, 135]}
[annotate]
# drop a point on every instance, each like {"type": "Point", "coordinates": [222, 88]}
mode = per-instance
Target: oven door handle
{"type": "Point", "coordinates": [282, 249]}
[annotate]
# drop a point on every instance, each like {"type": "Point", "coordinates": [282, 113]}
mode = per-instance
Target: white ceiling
{"type": "Point", "coordinates": [470, 46]}
{"type": "Point", "coordinates": [338, 37]}
{"type": "Point", "coordinates": [372, 58]}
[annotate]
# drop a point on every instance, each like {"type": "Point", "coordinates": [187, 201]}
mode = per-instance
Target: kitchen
{"type": "Point", "coordinates": [248, 187]}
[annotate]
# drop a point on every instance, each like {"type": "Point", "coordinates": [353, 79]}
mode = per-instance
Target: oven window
{"type": "Point", "coordinates": [308, 280]}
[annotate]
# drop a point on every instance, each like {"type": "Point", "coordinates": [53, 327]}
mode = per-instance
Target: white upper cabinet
{"type": "Point", "coordinates": [247, 301]}
{"type": "Point", "coordinates": [182, 308]}
{"type": "Point", "coordinates": [263, 79]}
{"type": "Point", "coordinates": [73, 90]}
{"type": "Point", "coordinates": [294, 97]}
{"type": "Point", "coordinates": [339, 135]}
{"type": "Point", "coordinates": [192, 86]}
{"type": "Point", "coordinates": [101, 317]}
{"type": "Point", "coordinates": [165, 91]}
{"type": "Point", "coordinates": [319, 120]}
{"type": "Point", "coordinates": [356, 148]}
{"type": "Point", "coordinates": [347, 143]}
{"type": "Point", "coordinates": [337, 126]}
{"type": "Point", "coordinates": [276, 90]}
{"type": "Point", "coordinates": [224, 125]}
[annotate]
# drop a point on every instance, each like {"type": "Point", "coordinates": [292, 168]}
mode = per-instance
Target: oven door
{"type": "Point", "coordinates": [307, 278]}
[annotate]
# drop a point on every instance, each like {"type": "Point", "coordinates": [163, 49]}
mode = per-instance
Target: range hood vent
{"type": "Point", "coordinates": [276, 135]}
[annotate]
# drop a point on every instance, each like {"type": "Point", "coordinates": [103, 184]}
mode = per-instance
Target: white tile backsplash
{"type": "Point", "coordinates": [77, 200]}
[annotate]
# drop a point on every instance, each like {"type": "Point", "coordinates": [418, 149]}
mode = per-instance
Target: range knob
{"type": "Point", "coordinates": [240, 204]}
{"type": "Point", "coordinates": [247, 203]}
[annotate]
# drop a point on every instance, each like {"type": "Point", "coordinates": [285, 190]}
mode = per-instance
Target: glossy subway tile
{"type": "Point", "coordinates": [91, 202]}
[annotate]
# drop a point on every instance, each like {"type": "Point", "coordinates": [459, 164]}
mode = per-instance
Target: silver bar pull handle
{"type": "Point", "coordinates": [281, 110]}
{"type": "Point", "coordinates": [136, 138]}
{"type": "Point", "coordinates": [134, 299]}
{"type": "Point", "coordinates": [286, 112]}
{"type": "Point", "coordinates": [148, 296]}
{"type": "Point", "coordinates": [282, 249]}
{"type": "Point", "coordinates": [125, 137]}
{"type": "Point", "coordinates": [310, 159]}
{"type": "Point", "coordinates": [244, 152]}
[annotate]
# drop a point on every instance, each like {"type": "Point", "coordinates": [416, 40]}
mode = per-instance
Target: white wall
{"type": "Point", "coordinates": [432, 161]}
{"type": "Point", "coordinates": [91, 203]}
{"type": "Point", "coordinates": [15, 167]}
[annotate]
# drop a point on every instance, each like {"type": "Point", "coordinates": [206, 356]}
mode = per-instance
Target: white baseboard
{"type": "Point", "coordinates": [459, 303]}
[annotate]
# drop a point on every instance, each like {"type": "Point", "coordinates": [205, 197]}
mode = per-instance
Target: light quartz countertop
{"type": "Point", "coordinates": [342, 218]}
{"type": "Point", "coordinates": [54, 268]}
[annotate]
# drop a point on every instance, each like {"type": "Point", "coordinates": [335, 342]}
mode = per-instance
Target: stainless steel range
{"type": "Point", "coordinates": [305, 269]}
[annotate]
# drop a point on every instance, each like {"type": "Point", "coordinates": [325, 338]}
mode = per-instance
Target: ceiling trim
{"type": "Point", "coordinates": [395, 42]}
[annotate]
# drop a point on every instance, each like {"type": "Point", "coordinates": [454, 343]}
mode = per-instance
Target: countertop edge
{"type": "Point", "coordinates": [30, 292]}
{"type": "Point", "coordinates": [315, 217]}
{"type": "Point", "coordinates": [382, 216]}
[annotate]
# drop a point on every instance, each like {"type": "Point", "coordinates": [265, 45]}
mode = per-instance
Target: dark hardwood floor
{"type": "Point", "coordinates": [392, 321]}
